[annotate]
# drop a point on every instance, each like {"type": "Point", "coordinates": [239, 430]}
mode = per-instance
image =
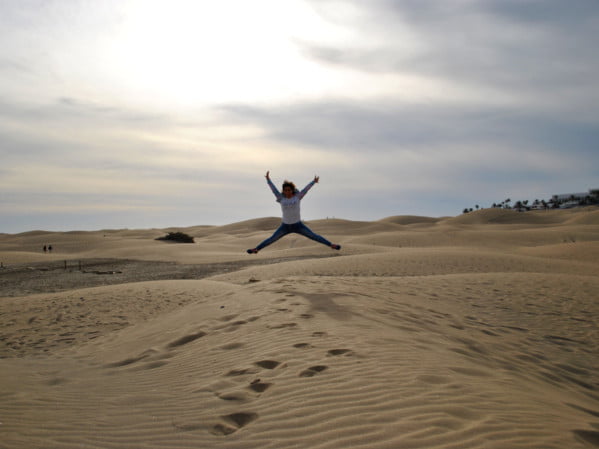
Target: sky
{"type": "Point", "coordinates": [168, 113]}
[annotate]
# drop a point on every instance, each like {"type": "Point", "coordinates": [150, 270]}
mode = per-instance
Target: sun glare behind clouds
{"type": "Point", "coordinates": [190, 52]}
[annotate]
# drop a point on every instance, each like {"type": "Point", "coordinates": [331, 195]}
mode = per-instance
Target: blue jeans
{"type": "Point", "coordinates": [297, 228]}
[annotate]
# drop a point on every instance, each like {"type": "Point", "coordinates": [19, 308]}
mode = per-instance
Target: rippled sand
{"type": "Point", "coordinates": [476, 331]}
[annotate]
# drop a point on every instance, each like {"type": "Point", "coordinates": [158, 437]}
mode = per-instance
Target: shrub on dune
{"type": "Point", "coordinates": [177, 237]}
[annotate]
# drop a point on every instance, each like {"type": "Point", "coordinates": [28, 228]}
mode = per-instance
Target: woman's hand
{"type": "Point", "coordinates": [316, 178]}
{"type": "Point", "coordinates": [268, 174]}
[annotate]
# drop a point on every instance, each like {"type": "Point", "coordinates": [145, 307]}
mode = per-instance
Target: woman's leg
{"type": "Point", "coordinates": [304, 230]}
{"type": "Point", "coordinates": [280, 232]}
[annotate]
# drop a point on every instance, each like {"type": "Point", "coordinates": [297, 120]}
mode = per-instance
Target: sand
{"type": "Point", "coordinates": [476, 331]}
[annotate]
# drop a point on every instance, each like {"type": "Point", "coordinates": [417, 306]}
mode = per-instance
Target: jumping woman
{"type": "Point", "coordinates": [290, 205]}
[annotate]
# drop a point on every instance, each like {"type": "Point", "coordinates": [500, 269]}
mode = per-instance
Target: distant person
{"type": "Point", "coordinates": [45, 248]}
{"type": "Point", "coordinates": [49, 248]}
{"type": "Point", "coordinates": [291, 222]}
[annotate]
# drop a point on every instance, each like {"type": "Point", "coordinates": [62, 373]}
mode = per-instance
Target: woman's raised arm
{"type": "Point", "coordinates": [274, 189]}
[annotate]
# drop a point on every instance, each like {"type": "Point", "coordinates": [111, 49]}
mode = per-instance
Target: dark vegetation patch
{"type": "Point", "coordinates": [177, 237]}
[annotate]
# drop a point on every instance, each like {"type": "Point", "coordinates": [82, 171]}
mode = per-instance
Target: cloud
{"type": "Point", "coordinates": [518, 47]}
{"type": "Point", "coordinates": [379, 126]}
{"type": "Point", "coordinates": [73, 157]}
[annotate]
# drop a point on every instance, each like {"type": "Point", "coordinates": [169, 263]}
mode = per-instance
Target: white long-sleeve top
{"type": "Point", "coordinates": [290, 206]}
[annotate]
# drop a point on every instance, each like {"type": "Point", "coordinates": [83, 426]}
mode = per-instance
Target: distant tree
{"type": "Point", "coordinates": [477, 207]}
{"type": "Point", "coordinates": [465, 211]}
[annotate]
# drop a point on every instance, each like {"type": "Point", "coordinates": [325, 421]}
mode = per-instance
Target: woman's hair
{"type": "Point", "coordinates": [289, 184]}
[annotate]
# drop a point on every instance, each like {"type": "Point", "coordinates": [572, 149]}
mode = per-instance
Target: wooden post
{"type": "Point", "coordinates": [65, 264]}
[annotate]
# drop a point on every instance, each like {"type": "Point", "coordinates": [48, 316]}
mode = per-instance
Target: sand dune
{"type": "Point", "coordinates": [477, 331]}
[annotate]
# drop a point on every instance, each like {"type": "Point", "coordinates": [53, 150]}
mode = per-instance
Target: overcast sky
{"type": "Point", "coordinates": [147, 113]}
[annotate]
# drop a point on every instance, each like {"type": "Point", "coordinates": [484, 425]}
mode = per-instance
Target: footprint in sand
{"type": "Point", "coordinates": [258, 386]}
{"type": "Point", "coordinates": [131, 360]}
{"type": "Point", "coordinates": [335, 352]}
{"type": "Point", "coordinates": [590, 436]}
{"type": "Point", "coordinates": [234, 345]}
{"type": "Point", "coordinates": [283, 326]}
{"type": "Point", "coordinates": [313, 371]}
{"type": "Point", "coordinates": [233, 422]}
{"type": "Point", "coordinates": [185, 339]}
{"type": "Point", "coordinates": [241, 372]}
{"type": "Point", "coordinates": [239, 323]}
{"type": "Point", "coordinates": [231, 327]}
{"type": "Point", "coordinates": [234, 396]}
{"type": "Point", "coordinates": [267, 364]}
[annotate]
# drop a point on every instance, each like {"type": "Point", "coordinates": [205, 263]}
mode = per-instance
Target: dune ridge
{"type": "Point", "coordinates": [476, 331]}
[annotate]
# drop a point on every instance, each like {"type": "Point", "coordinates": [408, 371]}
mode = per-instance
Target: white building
{"type": "Point", "coordinates": [567, 200]}
{"type": "Point", "coordinates": [570, 196]}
